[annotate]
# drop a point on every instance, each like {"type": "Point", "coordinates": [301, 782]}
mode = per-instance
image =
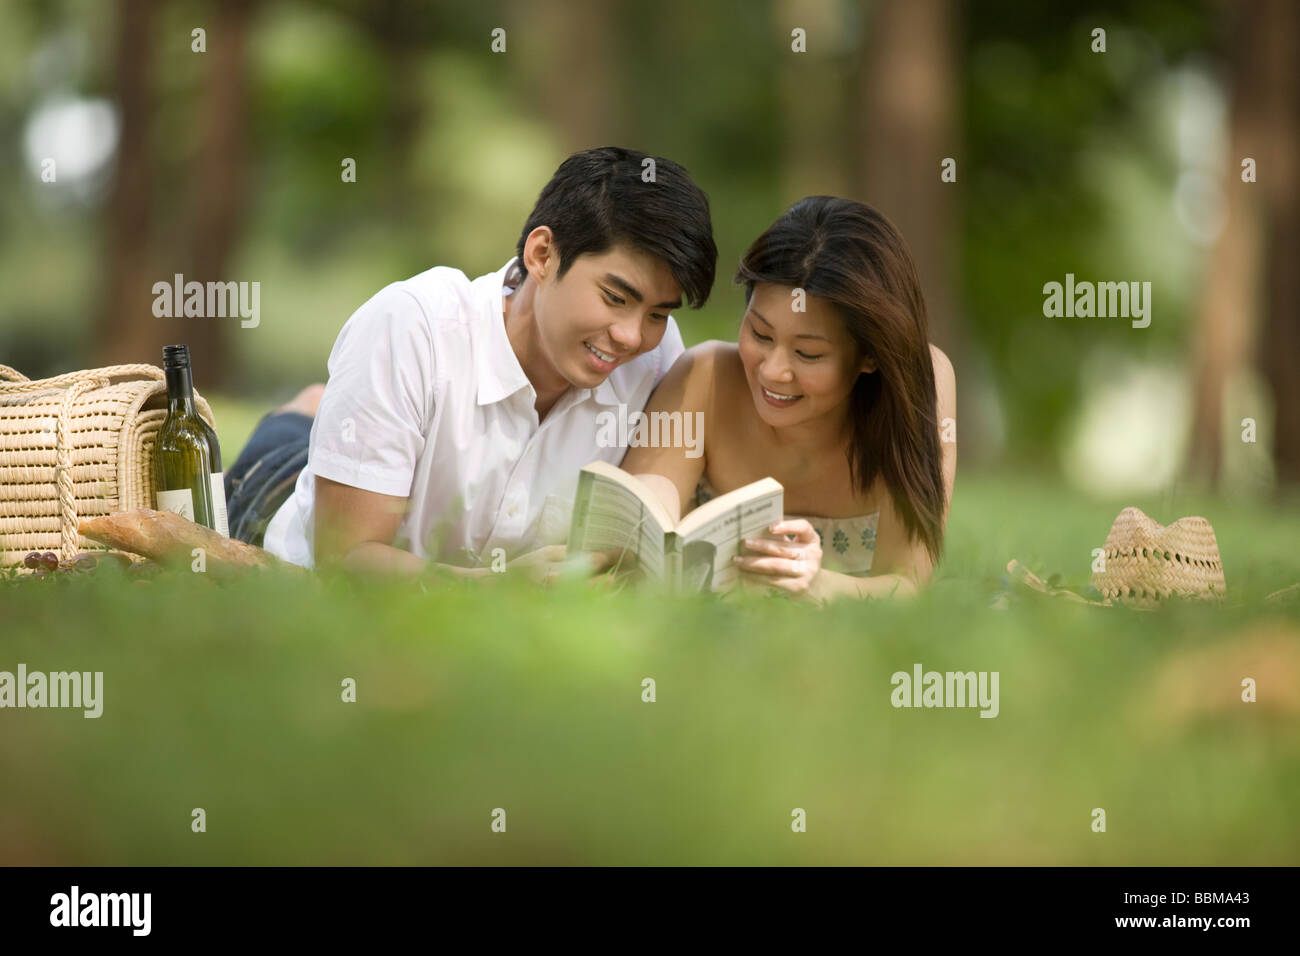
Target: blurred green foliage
{"type": "Point", "coordinates": [1067, 162]}
{"type": "Point", "coordinates": [1071, 158]}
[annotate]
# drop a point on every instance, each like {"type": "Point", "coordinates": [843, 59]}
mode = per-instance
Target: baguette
{"type": "Point", "coordinates": [169, 539]}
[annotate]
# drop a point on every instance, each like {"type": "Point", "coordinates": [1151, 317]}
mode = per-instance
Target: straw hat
{"type": "Point", "coordinates": [1145, 563]}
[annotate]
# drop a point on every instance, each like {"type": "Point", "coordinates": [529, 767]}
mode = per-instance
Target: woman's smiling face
{"type": "Point", "coordinates": [800, 365]}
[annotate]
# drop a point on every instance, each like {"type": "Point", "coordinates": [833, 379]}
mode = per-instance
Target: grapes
{"type": "Point", "coordinates": [84, 561]}
{"type": "Point", "coordinates": [41, 559]}
{"type": "Point", "coordinates": [42, 564]}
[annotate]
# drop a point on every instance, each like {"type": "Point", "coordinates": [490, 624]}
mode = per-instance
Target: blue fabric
{"type": "Point", "coordinates": [263, 477]}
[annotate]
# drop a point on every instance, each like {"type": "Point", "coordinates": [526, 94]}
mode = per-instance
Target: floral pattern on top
{"type": "Point", "coordinates": [852, 541]}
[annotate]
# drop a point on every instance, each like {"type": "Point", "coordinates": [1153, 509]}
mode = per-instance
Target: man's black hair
{"type": "Point", "coordinates": [601, 197]}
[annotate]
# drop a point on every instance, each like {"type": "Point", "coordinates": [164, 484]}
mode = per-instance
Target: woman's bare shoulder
{"type": "Point", "coordinates": [945, 384]}
{"type": "Point", "coordinates": [943, 371]}
{"type": "Point", "coordinates": [941, 359]}
{"type": "Point", "coordinates": [713, 352]}
{"type": "Point", "coordinates": [708, 365]}
{"type": "Point", "coordinates": [718, 359]}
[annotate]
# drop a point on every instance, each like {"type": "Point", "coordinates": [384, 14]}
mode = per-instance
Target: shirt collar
{"type": "Point", "coordinates": [497, 367]}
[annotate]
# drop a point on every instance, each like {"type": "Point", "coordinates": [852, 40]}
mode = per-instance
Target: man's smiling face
{"type": "Point", "coordinates": [608, 308]}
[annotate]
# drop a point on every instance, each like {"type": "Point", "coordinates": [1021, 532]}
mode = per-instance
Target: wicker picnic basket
{"type": "Point", "coordinates": [76, 446]}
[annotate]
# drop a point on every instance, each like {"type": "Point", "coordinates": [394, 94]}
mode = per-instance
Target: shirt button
{"type": "Point", "coordinates": [514, 510]}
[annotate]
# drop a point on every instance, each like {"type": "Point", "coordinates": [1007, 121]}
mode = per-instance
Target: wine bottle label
{"type": "Point", "coordinates": [219, 503]}
{"type": "Point", "coordinates": [180, 501]}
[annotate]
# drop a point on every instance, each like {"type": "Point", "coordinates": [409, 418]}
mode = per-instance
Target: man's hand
{"type": "Point", "coordinates": [547, 565]}
{"type": "Point", "coordinates": [543, 566]}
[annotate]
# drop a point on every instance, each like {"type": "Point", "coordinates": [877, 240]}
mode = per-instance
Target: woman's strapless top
{"type": "Point", "coordinates": [848, 544]}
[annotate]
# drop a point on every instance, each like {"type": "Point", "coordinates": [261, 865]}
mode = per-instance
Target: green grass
{"type": "Point", "coordinates": [227, 697]}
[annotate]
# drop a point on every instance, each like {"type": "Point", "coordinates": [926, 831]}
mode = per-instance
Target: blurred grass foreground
{"type": "Point", "coordinates": [492, 697]}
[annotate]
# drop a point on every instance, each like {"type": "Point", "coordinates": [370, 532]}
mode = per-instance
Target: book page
{"type": "Point", "coordinates": [712, 535]}
{"type": "Point", "coordinates": [612, 513]}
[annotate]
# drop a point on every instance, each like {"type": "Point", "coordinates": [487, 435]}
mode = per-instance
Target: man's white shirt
{"type": "Point", "coordinates": [427, 400]}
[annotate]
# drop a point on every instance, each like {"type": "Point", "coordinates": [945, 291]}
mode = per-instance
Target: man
{"type": "Point", "coordinates": [458, 413]}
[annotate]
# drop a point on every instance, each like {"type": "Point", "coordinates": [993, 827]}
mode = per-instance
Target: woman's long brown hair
{"type": "Point", "coordinates": [852, 256]}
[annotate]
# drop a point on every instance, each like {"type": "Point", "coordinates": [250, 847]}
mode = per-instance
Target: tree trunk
{"type": "Point", "coordinates": [815, 139]}
{"type": "Point", "coordinates": [400, 30]}
{"type": "Point", "coordinates": [905, 127]}
{"type": "Point", "coordinates": [125, 328]}
{"type": "Point", "coordinates": [220, 185]}
{"type": "Point", "coordinates": [1229, 304]}
{"type": "Point", "coordinates": [566, 66]}
{"type": "Point", "coordinates": [1281, 187]}
{"type": "Point", "coordinates": [1251, 283]}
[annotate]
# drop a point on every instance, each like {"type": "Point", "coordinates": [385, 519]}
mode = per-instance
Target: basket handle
{"type": "Point", "coordinates": [22, 383]}
{"type": "Point", "coordinates": [79, 382]}
{"type": "Point", "coordinates": [68, 536]}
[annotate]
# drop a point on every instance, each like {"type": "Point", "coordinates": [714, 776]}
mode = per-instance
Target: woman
{"type": "Point", "coordinates": [832, 389]}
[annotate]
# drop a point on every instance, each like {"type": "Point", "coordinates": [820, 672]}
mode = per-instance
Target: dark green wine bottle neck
{"type": "Point", "coordinates": [180, 389]}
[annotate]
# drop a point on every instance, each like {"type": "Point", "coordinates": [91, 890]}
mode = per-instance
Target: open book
{"type": "Point", "coordinates": [613, 511]}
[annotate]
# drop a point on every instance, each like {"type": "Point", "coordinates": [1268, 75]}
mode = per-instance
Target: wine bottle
{"type": "Point", "coordinates": [218, 479]}
{"type": "Point", "coordinates": [181, 460]}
